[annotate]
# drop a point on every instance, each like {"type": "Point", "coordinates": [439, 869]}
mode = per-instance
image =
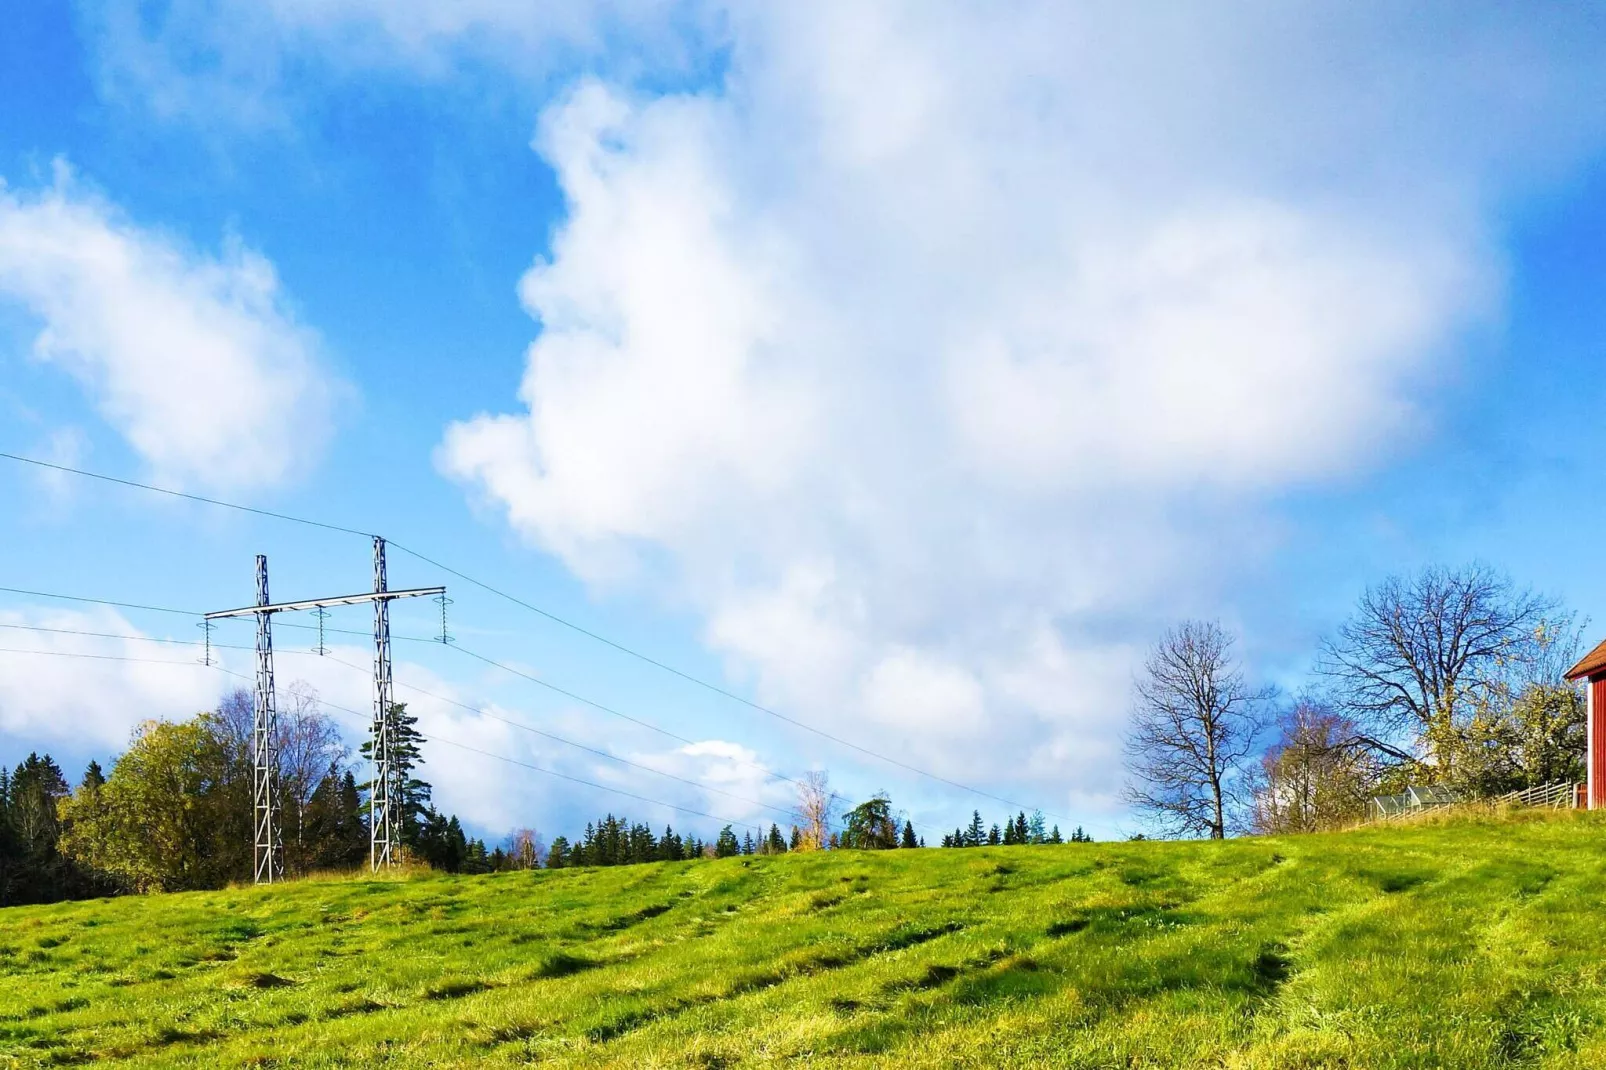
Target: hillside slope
{"type": "Point", "coordinates": [1466, 944]}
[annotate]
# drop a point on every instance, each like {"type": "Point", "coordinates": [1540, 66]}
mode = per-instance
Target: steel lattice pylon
{"type": "Point", "coordinates": [381, 797]}
{"type": "Point", "coordinates": [268, 851]}
{"type": "Point", "coordinates": [384, 792]}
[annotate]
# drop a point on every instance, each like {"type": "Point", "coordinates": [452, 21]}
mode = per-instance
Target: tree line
{"type": "Point", "coordinates": [174, 812]}
{"type": "Point", "coordinates": [1018, 830]}
{"type": "Point", "coordinates": [1451, 678]}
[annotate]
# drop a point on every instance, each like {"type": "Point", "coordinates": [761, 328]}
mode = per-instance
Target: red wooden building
{"type": "Point", "coordinates": [1593, 670]}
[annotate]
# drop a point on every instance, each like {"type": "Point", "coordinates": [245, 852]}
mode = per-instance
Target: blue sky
{"type": "Point", "coordinates": [905, 371]}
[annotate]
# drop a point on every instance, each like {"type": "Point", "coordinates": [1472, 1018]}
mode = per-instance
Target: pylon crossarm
{"type": "Point", "coordinates": [322, 603]}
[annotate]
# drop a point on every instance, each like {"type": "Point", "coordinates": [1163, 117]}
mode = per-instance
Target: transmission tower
{"type": "Point", "coordinates": [381, 816]}
{"type": "Point", "coordinates": [269, 849]}
{"type": "Point", "coordinates": [268, 853]}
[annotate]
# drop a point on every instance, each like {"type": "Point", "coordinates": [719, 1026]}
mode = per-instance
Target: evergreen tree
{"type": "Point", "coordinates": [908, 834]}
{"type": "Point", "coordinates": [796, 840]}
{"type": "Point", "coordinates": [1023, 832]}
{"type": "Point", "coordinates": [670, 847]}
{"type": "Point", "coordinates": [1054, 837]}
{"type": "Point", "coordinates": [870, 826]}
{"type": "Point", "coordinates": [1036, 832]}
{"type": "Point", "coordinates": [976, 835]}
{"type": "Point", "coordinates": [725, 845]}
{"type": "Point", "coordinates": [1009, 834]}
{"type": "Point", "coordinates": [409, 794]}
{"type": "Point", "coordinates": [993, 837]}
{"type": "Point", "coordinates": [748, 846]}
{"type": "Point", "coordinates": [557, 854]}
{"type": "Point", "coordinates": [38, 873]}
{"type": "Point", "coordinates": [774, 843]}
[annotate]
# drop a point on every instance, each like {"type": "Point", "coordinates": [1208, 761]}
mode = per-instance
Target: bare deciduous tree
{"type": "Point", "coordinates": [1192, 731]}
{"type": "Point", "coordinates": [816, 804]}
{"type": "Point", "coordinates": [1424, 654]}
{"type": "Point", "coordinates": [308, 747]}
{"type": "Point", "coordinates": [525, 848]}
{"type": "Point", "coordinates": [1313, 778]}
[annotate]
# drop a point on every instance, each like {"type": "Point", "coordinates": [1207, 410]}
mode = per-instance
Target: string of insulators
{"type": "Point", "coordinates": [442, 601]}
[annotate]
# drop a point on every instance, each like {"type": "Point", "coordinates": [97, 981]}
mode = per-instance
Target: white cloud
{"type": "Point", "coordinates": [194, 358]}
{"type": "Point", "coordinates": [738, 787]}
{"type": "Point", "coordinates": [940, 354]}
{"type": "Point", "coordinates": [61, 698]}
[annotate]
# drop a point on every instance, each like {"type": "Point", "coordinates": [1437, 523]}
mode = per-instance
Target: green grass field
{"type": "Point", "coordinates": [1469, 944]}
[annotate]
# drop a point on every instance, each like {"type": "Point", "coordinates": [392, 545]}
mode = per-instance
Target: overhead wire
{"type": "Point", "coordinates": [707, 685]}
{"type": "Point", "coordinates": [476, 710]}
{"type": "Point", "coordinates": [365, 718]}
{"type": "Point", "coordinates": [480, 711]}
{"type": "Point", "coordinates": [183, 494]}
{"type": "Point", "coordinates": [196, 613]}
{"type": "Point", "coordinates": [553, 617]}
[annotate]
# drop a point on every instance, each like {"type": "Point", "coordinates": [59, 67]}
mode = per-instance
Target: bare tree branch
{"type": "Point", "coordinates": [1193, 728]}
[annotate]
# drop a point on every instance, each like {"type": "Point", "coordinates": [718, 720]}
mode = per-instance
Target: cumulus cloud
{"type": "Point", "coordinates": [59, 697]}
{"type": "Point", "coordinates": [941, 355]}
{"type": "Point", "coordinates": [938, 356]}
{"type": "Point", "coordinates": [195, 358]}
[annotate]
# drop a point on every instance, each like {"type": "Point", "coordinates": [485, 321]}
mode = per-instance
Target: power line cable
{"type": "Point", "coordinates": [130, 638]}
{"type": "Point", "coordinates": [431, 738]}
{"type": "Point", "coordinates": [101, 601]}
{"type": "Point", "coordinates": [638, 655]}
{"type": "Point", "coordinates": [367, 718]}
{"type": "Point", "coordinates": [183, 494]}
{"type": "Point", "coordinates": [194, 613]}
{"type": "Point", "coordinates": [96, 657]}
{"type": "Point", "coordinates": [477, 711]}
{"type": "Point", "coordinates": [715, 688]}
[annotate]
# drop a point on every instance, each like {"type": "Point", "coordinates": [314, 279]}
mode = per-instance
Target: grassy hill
{"type": "Point", "coordinates": [1473, 943]}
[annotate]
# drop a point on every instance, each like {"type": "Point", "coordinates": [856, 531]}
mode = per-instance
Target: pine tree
{"type": "Point", "coordinates": [37, 871]}
{"type": "Point", "coordinates": [908, 835]}
{"type": "Point", "coordinates": [1035, 829]}
{"type": "Point", "coordinates": [774, 842]}
{"type": "Point", "coordinates": [748, 847]}
{"type": "Point", "coordinates": [725, 845]}
{"type": "Point", "coordinates": [1054, 837]}
{"type": "Point", "coordinates": [409, 795]}
{"type": "Point", "coordinates": [976, 835]}
{"type": "Point", "coordinates": [557, 856]}
{"type": "Point", "coordinates": [1022, 829]}
{"type": "Point", "coordinates": [993, 836]}
{"type": "Point", "coordinates": [669, 846]}
{"type": "Point", "coordinates": [796, 840]}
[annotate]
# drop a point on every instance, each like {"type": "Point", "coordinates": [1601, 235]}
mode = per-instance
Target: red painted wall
{"type": "Point", "coordinates": [1597, 743]}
